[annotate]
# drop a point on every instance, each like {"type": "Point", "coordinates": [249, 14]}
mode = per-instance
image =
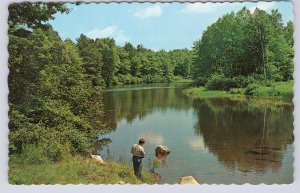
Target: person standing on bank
{"type": "Point", "coordinates": [138, 153]}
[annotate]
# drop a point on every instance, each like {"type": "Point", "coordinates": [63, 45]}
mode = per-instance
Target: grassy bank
{"type": "Point", "coordinates": [279, 90]}
{"type": "Point", "coordinates": [201, 92]}
{"type": "Point", "coordinates": [74, 170]}
{"type": "Point", "coordinates": [179, 79]}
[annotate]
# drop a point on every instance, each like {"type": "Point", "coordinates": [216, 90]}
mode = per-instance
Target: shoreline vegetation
{"type": "Point", "coordinates": [278, 91]}
{"type": "Point", "coordinates": [74, 170]}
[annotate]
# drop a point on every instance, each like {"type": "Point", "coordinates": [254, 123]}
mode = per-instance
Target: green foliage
{"type": "Point", "coordinates": [108, 64]}
{"type": "Point", "coordinates": [251, 89]}
{"type": "Point", "coordinates": [33, 155]}
{"type": "Point", "coordinates": [53, 105]}
{"type": "Point", "coordinates": [245, 44]}
{"type": "Point", "coordinates": [27, 15]}
{"type": "Point", "coordinates": [200, 81]}
{"type": "Point", "coordinates": [219, 82]}
{"type": "Point", "coordinates": [243, 81]}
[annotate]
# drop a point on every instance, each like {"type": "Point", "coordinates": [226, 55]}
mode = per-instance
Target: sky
{"type": "Point", "coordinates": [156, 26]}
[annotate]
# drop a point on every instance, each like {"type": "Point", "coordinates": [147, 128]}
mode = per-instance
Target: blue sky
{"type": "Point", "coordinates": [157, 26]}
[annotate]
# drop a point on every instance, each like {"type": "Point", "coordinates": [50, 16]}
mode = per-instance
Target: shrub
{"type": "Point", "coordinates": [56, 151]}
{"type": "Point", "coordinates": [242, 81]}
{"type": "Point", "coordinates": [251, 89]}
{"type": "Point", "coordinates": [33, 154]}
{"type": "Point", "coordinates": [219, 82]}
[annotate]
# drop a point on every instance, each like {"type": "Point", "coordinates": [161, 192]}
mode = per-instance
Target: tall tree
{"type": "Point", "coordinates": [91, 54]}
{"type": "Point", "coordinates": [25, 16]}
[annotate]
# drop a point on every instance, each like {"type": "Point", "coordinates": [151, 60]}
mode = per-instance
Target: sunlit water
{"type": "Point", "coordinates": [214, 140]}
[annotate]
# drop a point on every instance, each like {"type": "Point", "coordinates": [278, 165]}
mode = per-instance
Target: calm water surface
{"type": "Point", "coordinates": [214, 140]}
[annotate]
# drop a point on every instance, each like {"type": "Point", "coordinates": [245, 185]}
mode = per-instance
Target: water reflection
{"type": "Point", "coordinates": [245, 136]}
{"type": "Point", "coordinates": [130, 103]}
{"type": "Point", "coordinates": [215, 140]}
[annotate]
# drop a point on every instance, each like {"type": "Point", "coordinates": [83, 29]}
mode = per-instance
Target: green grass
{"type": "Point", "coordinates": [201, 92]}
{"type": "Point", "coordinates": [75, 170]}
{"type": "Point", "coordinates": [279, 90]}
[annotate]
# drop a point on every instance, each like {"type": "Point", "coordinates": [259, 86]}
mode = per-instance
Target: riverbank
{"type": "Point", "coordinates": [279, 90]}
{"type": "Point", "coordinates": [74, 170]}
{"type": "Point", "coordinates": [179, 79]}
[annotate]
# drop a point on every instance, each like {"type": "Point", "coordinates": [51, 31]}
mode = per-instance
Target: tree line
{"type": "Point", "coordinates": [108, 64]}
{"type": "Point", "coordinates": [244, 48]}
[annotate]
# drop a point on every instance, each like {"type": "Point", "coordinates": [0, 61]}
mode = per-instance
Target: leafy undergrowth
{"type": "Point", "coordinates": [74, 170]}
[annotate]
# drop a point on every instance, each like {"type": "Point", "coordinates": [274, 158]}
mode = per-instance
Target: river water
{"type": "Point", "coordinates": [217, 141]}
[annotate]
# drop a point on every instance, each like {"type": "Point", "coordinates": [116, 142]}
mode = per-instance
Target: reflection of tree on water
{"type": "Point", "coordinates": [132, 104]}
{"type": "Point", "coordinates": [243, 135]}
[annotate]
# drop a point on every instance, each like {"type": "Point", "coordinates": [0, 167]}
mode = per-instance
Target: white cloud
{"type": "Point", "coordinates": [101, 33]}
{"type": "Point", "coordinates": [262, 5]}
{"type": "Point", "coordinates": [201, 8]}
{"type": "Point", "coordinates": [151, 11]}
{"type": "Point", "coordinates": [121, 38]}
{"type": "Point", "coordinates": [197, 144]}
{"type": "Point", "coordinates": [110, 31]}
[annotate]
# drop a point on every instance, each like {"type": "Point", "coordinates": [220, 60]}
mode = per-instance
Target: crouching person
{"type": "Point", "coordinates": [138, 153]}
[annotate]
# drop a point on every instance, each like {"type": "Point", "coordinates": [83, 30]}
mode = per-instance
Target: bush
{"type": "Point", "coordinates": [242, 81]}
{"type": "Point", "coordinates": [56, 151]}
{"type": "Point", "coordinates": [33, 155]}
{"type": "Point", "coordinates": [115, 81]}
{"type": "Point", "coordinates": [251, 89]}
{"type": "Point", "coordinates": [219, 82]}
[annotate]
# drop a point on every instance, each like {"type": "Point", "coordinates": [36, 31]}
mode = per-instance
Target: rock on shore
{"type": "Point", "coordinates": [188, 180]}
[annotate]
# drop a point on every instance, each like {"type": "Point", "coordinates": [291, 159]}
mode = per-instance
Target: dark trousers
{"type": "Point", "coordinates": [137, 166]}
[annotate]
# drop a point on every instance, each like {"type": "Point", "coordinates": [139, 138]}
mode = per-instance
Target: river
{"type": "Point", "coordinates": [217, 141]}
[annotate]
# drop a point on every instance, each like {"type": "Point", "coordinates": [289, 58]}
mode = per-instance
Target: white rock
{"type": "Point", "coordinates": [98, 159]}
{"type": "Point", "coordinates": [121, 182]}
{"type": "Point", "coordinates": [188, 180]}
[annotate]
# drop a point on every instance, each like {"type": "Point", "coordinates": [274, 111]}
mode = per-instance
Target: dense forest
{"type": "Point", "coordinates": [243, 49]}
{"type": "Point", "coordinates": [108, 64]}
{"type": "Point", "coordinates": [55, 85]}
